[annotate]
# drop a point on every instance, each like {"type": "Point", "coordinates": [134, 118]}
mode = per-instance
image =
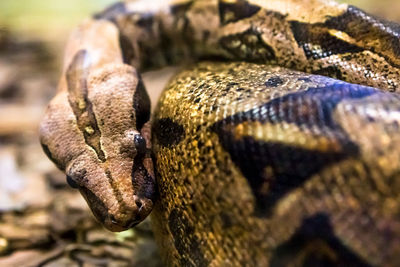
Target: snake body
{"type": "Point", "coordinates": [247, 160]}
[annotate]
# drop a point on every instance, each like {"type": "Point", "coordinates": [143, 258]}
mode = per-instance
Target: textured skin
{"type": "Point", "coordinates": [256, 165]}
{"type": "Point", "coordinates": [281, 168]}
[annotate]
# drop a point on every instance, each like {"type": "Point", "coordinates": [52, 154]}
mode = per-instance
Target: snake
{"type": "Point", "coordinates": [277, 144]}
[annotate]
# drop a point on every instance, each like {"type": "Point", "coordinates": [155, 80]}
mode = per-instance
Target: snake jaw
{"type": "Point", "coordinates": [127, 219]}
{"type": "Point", "coordinates": [121, 221]}
{"type": "Point", "coordinates": [117, 200]}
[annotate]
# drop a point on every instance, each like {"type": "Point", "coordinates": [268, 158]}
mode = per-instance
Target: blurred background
{"type": "Point", "coordinates": [42, 221]}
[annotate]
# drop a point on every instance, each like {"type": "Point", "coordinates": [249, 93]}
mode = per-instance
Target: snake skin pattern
{"type": "Point", "coordinates": [256, 156]}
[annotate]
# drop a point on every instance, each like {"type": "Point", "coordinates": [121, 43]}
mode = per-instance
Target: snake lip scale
{"type": "Point", "coordinates": [283, 152]}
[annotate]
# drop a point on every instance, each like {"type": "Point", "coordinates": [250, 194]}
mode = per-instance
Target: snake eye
{"type": "Point", "coordinates": [71, 182]}
{"type": "Point", "coordinates": [140, 144]}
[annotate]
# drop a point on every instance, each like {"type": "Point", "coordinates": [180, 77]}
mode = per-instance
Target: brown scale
{"type": "Point", "coordinates": [78, 98]}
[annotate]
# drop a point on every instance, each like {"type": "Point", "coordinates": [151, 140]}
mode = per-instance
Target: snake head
{"type": "Point", "coordinates": [97, 130]}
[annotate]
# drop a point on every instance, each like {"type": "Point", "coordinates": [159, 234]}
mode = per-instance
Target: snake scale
{"type": "Point", "coordinates": [281, 148]}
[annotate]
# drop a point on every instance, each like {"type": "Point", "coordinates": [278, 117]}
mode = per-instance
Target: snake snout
{"type": "Point", "coordinates": [128, 217]}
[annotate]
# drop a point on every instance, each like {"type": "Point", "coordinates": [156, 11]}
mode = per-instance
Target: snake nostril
{"type": "Point", "coordinates": [113, 220]}
{"type": "Point", "coordinates": [138, 204]}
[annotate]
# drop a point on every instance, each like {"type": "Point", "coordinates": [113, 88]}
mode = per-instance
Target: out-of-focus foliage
{"type": "Point", "coordinates": [49, 18]}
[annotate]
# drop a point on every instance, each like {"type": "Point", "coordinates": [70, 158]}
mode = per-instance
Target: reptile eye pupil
{"type": "Point", "coordinates": [71, 182]}
{"type": "Point", "coordinates": [140, 144]}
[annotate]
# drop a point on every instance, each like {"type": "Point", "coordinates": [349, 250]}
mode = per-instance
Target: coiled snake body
{"type": "Point", "coordinates": [256, 163]}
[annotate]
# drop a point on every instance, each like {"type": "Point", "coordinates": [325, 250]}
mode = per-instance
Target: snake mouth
{"type": "Point", "coordinates": [124, 216]}
{"type": "Point", "coordinates": [116, 226]}
{"type": "Point", "coordinates": [128, 218]}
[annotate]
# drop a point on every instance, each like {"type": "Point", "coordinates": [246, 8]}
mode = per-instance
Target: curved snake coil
{"type": "Point", "coordinates": [256, 162]}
